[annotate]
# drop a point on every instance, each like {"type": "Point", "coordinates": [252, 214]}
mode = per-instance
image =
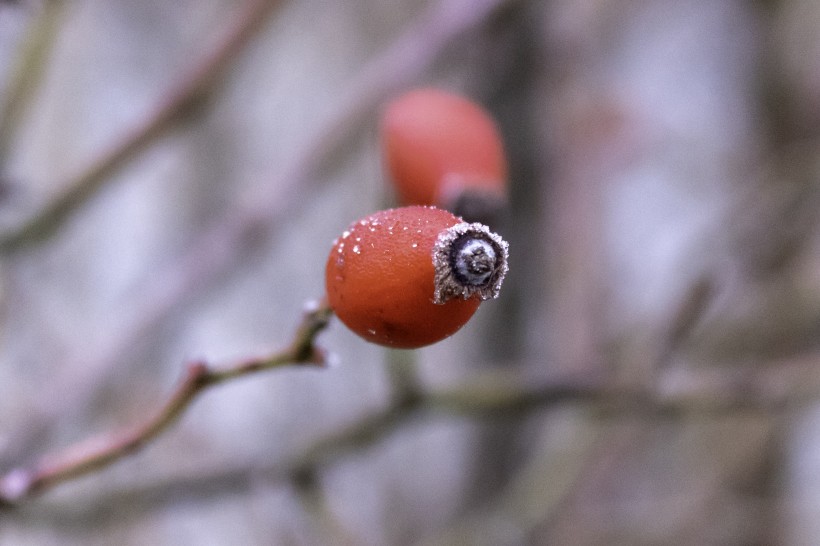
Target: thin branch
{"type": "Point", "coordinates": [92, 455]}
{"type": "Point", "coordinates": [495, 395]}
{"type": "Point", "coordinates": [609, 398]}
{"type": "Point", "coordinates": [172, 108]}
{"type": "Point", "coordinates": [27, 71]}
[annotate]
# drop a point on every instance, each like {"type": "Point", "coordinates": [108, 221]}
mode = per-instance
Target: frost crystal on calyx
{"type": "Point", "coordinates": [468, 259]}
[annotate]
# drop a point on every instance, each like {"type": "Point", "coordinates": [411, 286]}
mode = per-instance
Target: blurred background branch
{"type": "Point", "coordinates": [177, 102]}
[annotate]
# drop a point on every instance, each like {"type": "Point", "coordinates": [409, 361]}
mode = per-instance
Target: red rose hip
{"type": "Point", "coordinates": [443, 149]}
{"type": "Point", "coordinates": [412, 276]}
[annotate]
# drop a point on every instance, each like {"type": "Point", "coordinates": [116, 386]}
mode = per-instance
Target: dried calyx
{"type": "Point", "coordinates": [469, 260]}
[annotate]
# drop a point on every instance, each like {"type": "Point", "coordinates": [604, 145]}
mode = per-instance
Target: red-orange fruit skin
{"type": "Point", "coordinates": [379, 279]}
{"type": "Point", "coordinates": [436, 144]}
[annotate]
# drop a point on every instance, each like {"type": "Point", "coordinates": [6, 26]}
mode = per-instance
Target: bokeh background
{"type": "Point", "coordinates": [649, 375]}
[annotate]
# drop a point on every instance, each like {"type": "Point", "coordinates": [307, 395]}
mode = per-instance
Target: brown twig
{"type": "Point", "coordinates": [86, 457]}
{"type": "Point", "coordinates": [173, 107]}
